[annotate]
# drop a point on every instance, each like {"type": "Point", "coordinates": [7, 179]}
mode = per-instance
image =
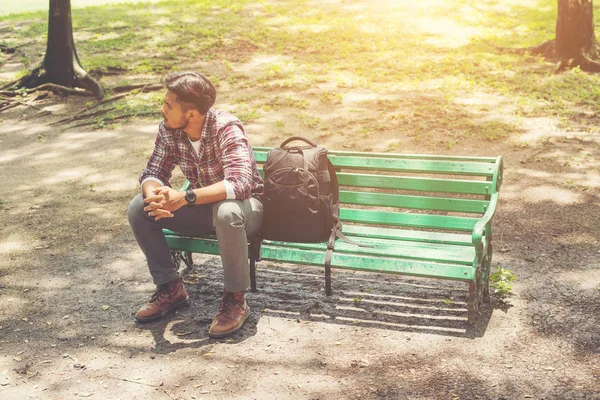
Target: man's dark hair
{"type": "Point", "coordinates": [193, 90]}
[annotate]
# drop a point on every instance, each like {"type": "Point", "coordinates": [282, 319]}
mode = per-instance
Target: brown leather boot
{"type": "Point", "coordinates": [232, 313]}
{"type": "Point", "coordinates": [168, 297]}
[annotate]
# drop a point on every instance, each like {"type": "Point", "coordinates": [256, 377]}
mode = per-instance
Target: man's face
{"type": "Point", "coordinates": [173, 114]}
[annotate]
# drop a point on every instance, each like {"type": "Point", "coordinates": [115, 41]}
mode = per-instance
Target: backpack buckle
{"type": "Point", "coordinates": [330, 245]}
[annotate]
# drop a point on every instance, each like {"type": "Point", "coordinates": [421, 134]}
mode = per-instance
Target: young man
{"type": "Point", "coordinates": [213, 152]}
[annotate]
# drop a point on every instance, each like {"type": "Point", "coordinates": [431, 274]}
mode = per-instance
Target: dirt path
{"type": "Point", "coordinates": [71, 277]}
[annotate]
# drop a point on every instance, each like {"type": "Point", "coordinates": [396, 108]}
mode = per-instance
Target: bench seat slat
{"type": "Point", "coordinates": [370, 263]}
{"type": "Point", "coordinates": [458, 186]}
{"type": "Point", "coordinates": [435, 252]}
{"type": "Point", "coordinates": [408, 219]}
{"type": "Point", "coordinates": [407, 234]}
{"type": "Point", "coordinates": [389, 249]}
{"type": "Point", "coordinates": [413, 202]}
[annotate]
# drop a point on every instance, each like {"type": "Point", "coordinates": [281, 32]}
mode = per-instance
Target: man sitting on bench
{"type": "Point", "coordinates": [212, 150]}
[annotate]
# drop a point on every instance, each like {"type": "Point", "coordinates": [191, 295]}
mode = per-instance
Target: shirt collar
{"type": "Point", "coordinates": [209, 122]}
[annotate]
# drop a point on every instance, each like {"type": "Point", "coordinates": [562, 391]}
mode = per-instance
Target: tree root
{"type": "Point", "coordinates": [584, 63]}
{"type": "Point", "coordinates": [54, 88]}
{"type": "Point", "coordinates": [81, 116]}
{"type": "Point", "coordinates": [146, 87]}
{"type": "Point", "coordinates": [8, 50]}
{"type": "Point", "coordinates": [109, 120]}
{"type": "Point", "coordinates": [545, 49]}
{"type": "Point", "coordinates": [39, 80]}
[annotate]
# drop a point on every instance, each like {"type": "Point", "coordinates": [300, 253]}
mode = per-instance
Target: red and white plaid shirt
{"type": "Point", "coordinates": [224, 155]}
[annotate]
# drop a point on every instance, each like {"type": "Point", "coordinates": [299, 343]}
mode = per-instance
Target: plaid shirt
{"type": "Point", "coordinates": [224, 154]}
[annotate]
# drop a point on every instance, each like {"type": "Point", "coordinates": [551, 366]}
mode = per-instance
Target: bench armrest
{"type": "Point", "coordinates": [186, 185]}
{"type": "Point", "coordinates": [482, 226]}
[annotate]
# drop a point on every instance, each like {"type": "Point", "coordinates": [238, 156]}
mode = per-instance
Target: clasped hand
{"type": "Point", "coordinates": [164, 202]}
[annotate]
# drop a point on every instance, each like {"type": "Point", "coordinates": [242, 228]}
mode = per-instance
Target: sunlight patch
{"type": "Point", "coordinates": [543, 193]}
{"type": "Point", "coordinates": [12, 246]}
{"type": "Point", "coordinates": [585, 280]}
{"type": "Point", "coordinates": [67, 175]}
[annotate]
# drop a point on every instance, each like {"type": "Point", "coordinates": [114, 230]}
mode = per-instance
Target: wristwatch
{"type": "Point", "coordinates": [190, 197]}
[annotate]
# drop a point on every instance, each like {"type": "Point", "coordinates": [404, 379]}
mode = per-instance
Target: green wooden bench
{"type": "Point", "coordinates": [422, 215]}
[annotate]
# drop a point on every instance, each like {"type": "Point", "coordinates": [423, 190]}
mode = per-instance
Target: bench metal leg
{"type": "Point", "coordinates": [476, 295]}
{"type": "Point", "coordinates": [253, 275]}
{"type": "Point", "coordinates": [472, 304]}
{"type": "Point", "coordinates": [487, 265]}
{"type": "Point", "coordinates": [328, 280]}
{"type": "Point", "coordinates": [185, 256]}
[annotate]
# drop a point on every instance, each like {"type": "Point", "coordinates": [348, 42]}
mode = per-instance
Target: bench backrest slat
{"type": "Point", "coordinates": [264, 150]}
{"type": "Point", "coordinates": [406, 164]}
{"type": "Point", "coordinates": [413, 202]}
{"type": "Point", "coordinates": [423, 184]}
{"type": "Point", "coordinates": [429, 184]}
{"type": "Point", "coordinates": [407, 219]}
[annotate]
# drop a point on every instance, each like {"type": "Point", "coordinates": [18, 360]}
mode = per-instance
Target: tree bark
{"type": "Point", "coordinates": [575, 43]}
{"type": "Point", "coordinates": [61, 64]}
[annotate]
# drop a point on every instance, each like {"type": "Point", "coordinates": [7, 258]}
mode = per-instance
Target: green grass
{"type": "Point", "coordinates": [422, 59]}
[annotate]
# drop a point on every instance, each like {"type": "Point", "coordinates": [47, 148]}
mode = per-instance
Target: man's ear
{"type": "Point", "coordinates": [192, 113]}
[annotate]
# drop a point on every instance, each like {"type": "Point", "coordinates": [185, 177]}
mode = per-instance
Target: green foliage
{"type": "Point", "coordinates": [432, 75]}
{"type": "Point", "coordinates": [500, 281]}
{"type": "Point", "coordinates": [309, 121]}
{"type": "Point", "coordinates": [331, 97]}
{"type": "Point", "coordinates": [357, 300]}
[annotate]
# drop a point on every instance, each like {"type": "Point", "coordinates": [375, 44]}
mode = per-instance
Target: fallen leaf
{"type": "Point", "coordinates": [105, 307]}
{"type": "Point", "coordinates": [338, 343]}
{"type": "Point", "coordinates": [17, 359]}
{"type": "Point", "coordinates": [548, 369]}
{"type": "Point", "coordinates": [182, 333]}
{"type": "Point", "coordinates": [66, 317]}
{"type": "Point", "coordinates": [45, 362]}
{"type": "Point", "coordinates": [85, 394]}
{"type": "Point", "coordinates": [207, 354]}
{"type": "Point", "coordinates": [197, 386]}
{"type": "Point", "coordinates": [49, 322]}
{"type": "Point", "coordinates": [528, 396]}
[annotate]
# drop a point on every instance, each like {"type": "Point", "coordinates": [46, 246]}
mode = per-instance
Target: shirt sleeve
{"type": "Point", "coordinates": [161, 163]}
{"type": "Point", "coordinates": [236, 161]}
{"type": "Point", "coordinates": [229, 190]}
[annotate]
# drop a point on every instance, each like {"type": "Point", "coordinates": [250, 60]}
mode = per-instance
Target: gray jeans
{"type": "Point", "coordinates": [232, 220]}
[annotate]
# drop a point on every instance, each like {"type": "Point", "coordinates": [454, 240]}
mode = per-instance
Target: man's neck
{"type": "Point", "coordinates": [194, 131]}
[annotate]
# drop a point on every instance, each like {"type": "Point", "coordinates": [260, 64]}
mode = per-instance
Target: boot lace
{"type": "Point", "coordinates": [161, 291]}
{"type": "Point", "coordinates": [228, 302]}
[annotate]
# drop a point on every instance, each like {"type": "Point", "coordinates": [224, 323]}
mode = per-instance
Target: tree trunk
{"type": "Point", "coordinates": [61, 64]}
{"type": "Point", "coordinates": [575, 43]}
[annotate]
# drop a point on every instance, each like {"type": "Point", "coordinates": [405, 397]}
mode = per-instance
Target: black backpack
{"type": "Point", "coordinates": [301, 194]}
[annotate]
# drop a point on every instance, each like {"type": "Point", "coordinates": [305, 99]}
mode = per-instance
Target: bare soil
{"type": "Point", "coordinates": [72, 276]}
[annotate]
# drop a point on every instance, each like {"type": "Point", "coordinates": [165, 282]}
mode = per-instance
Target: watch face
{"type": "Point", "coordinates": [190, 196]}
